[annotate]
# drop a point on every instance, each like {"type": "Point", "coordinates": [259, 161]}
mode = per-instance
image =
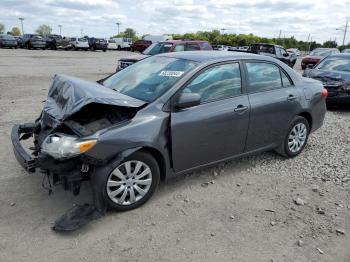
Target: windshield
{"type": "Point", "coordinates": [335, 63]}
{"type": "Point", "coordinates": [7, 37]}
{"type": "Point", "coordinates": [149, 78]}
{"type": "Point", "coordinates": [157, 48]}
{"type": "Point", "coordinates": [321, 52]}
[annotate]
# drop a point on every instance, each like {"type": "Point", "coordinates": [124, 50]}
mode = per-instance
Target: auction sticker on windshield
{"type": "Point", "coordinates": [171, 73]}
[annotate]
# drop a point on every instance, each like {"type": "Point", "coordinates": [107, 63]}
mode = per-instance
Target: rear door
{"type": "Point", "coordinates": [217, 128]}
{"type": "Point", "coordinates": [274, 102]}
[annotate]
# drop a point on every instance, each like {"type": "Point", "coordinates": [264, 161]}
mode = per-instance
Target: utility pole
{"type": "Point", "coordinates": [310, 44]}
{"type": "Point", "coordinates": [223, 30]}
{"type": "Point", "coordinates": [279, 35]}
{"type": "Point", "coordinates": [118, 26]}
{"type": "Point", "coordinates": [60, 26]}
{"type": "Point", "coordinates": [21, 19]}
{"type": "Point", "coordinates": [345, 30]}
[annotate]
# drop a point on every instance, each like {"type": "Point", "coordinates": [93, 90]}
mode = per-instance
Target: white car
{"type": "Point", "coordinates": [112, 45]}
{"type": "Point", "coordinates": [79, 43]}
{"type": "Point", "coordinates": [220, 47]}
{"type": "Point", "coordinates": [294, 51]}
{"type": "Point", "coordinates": [122, 43]}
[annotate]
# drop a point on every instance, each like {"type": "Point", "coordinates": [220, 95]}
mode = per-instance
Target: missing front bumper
{"type": "Point", "coordinates": [28, 162]}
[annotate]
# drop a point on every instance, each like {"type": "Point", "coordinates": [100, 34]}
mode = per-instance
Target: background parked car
{"type": "Point", "coordinates": [112, 45]}
{"type": "Point", "coordinates": [334, 73]}
{"type": "Point", "coordinates": [57, 42]}
{"type": "Point", "coordinates": [140, 45]}
{"type": "Point", "coordinates": [220, 47]}
{"type": "Point", "coordinates": [165, 47]}
{"type": "Point", "coordinates": [8, 41]}
{"type": "Point", "coordinates": [316, 56]}
{"type": "Point", "coordinates": [275, 51]}
{"type": "Point", "coordinates": [296, 51]}
{"type": "Point", "coordinates": [79, 43]}
{"type": "Point", "coordinates": [97, 44]}
{"type": "Point", "coordinates": [347, 51]}
{"type": "Point", "coordinates": [33, 41]}
{"type": "Point", "coordinates": [123, 43]}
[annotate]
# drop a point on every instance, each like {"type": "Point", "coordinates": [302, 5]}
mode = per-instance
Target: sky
{"type": "Point", "coordinates": [319, 18]}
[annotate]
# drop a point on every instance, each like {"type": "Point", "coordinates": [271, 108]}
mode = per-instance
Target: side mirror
{"type": "Point", "coordinates": [187, 100]}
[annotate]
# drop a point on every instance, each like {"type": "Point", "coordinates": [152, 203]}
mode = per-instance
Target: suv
{"type": "Point", "coordinates": [8, 41]}
{"type": "Point", "coordinates": [98, 44]}
{"type": "Point", "coordinates": [276, 51]}
{"type": "Point", "coordinates": [77, 43]}
{"type": "Point", "coordinates": [56, 41]}
{"type": "Point", "coordinates": [33, 41]}
{"type": "Point", "coordinates": [165, 47]}
{"type": "Point", "coordinates": [140, 45]}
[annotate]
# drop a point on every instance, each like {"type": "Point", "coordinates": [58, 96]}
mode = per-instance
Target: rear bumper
{"type": "Point", "coordinates": [339, 99]}
{"type": "Point", "coordinates": [26, 161]}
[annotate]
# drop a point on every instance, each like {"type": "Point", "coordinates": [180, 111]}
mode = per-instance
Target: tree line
{"type": "Point", "coordinates": [214, 37]}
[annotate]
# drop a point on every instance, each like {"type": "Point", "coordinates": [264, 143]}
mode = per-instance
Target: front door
{"type": "Point", "coordinates": [217, 128]}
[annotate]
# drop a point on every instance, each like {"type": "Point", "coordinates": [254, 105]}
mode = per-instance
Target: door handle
{"type": "Point", "coordinates": [291, 98]}
{"type": "Point", "coordinates": [240, 108]}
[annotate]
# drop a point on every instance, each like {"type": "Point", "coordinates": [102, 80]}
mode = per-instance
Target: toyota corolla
{"type": "Point", "coordinates": [165, 115]}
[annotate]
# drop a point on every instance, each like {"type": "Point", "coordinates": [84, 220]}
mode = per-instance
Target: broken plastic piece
{"type": "Point", "coordinates": [76, 217]}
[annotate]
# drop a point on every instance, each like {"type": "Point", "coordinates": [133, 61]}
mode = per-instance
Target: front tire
{"type": "Point", "coordinates": [132, 182]}
{"type": "Point", "coordinates": [296, 138]}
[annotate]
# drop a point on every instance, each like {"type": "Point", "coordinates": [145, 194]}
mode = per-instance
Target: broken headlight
{"type": "Point", "coordinates": [62, 146]}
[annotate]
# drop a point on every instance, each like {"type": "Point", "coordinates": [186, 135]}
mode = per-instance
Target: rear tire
{"type": "Point", "coordinates": [132, 186]}
{"type": "Point", "coordinates": [295, 139]}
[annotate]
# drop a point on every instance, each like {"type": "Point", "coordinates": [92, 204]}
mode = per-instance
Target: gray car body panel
{"type": "Point", "coordinates": [183, 143]}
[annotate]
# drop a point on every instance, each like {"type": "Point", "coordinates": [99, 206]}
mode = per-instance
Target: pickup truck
{"type": "Point", "coordinates": [276, 51]}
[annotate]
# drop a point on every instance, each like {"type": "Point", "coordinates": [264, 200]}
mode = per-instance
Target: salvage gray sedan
{"type": "Point", "coordinates": [165, 115]}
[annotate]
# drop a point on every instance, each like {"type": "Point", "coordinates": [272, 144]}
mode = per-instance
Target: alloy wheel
{"type": "Point", "coordinates": [129, 182]}
{"type": "Point", "coordinates": [297, 137]}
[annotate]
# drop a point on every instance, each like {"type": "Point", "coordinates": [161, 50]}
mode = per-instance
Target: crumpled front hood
{"type": "Point", "coordinates": [329, 78]}
{"type": "Point", "coordinates": [69, 95]}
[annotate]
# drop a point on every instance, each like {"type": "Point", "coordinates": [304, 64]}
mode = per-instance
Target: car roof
{"type": "Point", "coordinates": [183, 41]}
{"type": "Point", "coordinates": [206, 56]}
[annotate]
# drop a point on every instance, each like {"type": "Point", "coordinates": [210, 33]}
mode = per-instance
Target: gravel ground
{"type": "Point", "coordinates": [259, 208]}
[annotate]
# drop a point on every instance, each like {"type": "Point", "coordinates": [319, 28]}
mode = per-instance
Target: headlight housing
{"type": "Point", "coordinates": [62, 146]}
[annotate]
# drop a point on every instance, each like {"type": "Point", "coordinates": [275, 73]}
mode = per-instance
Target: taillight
{"type": "Point", "coordinates": [324, 92]}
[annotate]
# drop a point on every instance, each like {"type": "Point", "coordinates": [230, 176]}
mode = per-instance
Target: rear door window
{"type": "Point", "coordinates": [265, 76]}
{"type": "Point", "coordinates": [192, 47]}
{"type": "Point", "coordinates": [179, 47]}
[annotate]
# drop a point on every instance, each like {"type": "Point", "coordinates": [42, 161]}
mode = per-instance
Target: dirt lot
{"type": "Point", "coordinates": [246, 211]}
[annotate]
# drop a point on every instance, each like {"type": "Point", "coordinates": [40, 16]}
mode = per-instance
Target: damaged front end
{"type": "Point", "coordinates": [74, 114]}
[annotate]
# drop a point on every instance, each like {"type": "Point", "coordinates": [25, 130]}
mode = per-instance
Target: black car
{"type": "Point", "coordinates": [334, 73]}
{"type": "Point", "coordinates": [33, 41]}
{"type": "Point", "coordinates": [98, 44]}
{"type": "Point", "coordinates": [8, 41]}
{"type": "Point", "coordinates": [165, 115]}
{"type": "Point", "coordinates": [57, 42]}
{"type": "Point", "coordinates": [276, 51]}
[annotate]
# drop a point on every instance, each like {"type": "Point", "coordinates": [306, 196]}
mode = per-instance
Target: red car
{"type": "Point", "coordinates": [165, 47]}
{"type": "Point", "coordinates": [140, 45]}
{"type": "Point", "coordinates": [316, 56]}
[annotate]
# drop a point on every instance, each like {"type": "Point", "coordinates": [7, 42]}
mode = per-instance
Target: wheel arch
{"type": "Point", "coordinates": [308, 117]}
{"type": "Point", "coordinates": [158, 156]}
